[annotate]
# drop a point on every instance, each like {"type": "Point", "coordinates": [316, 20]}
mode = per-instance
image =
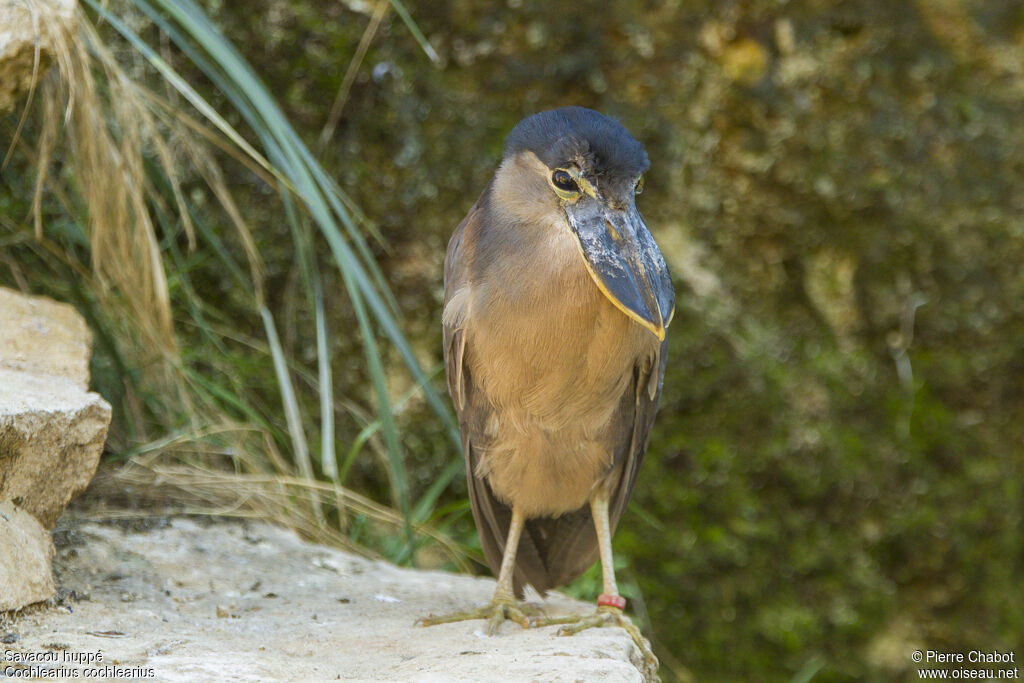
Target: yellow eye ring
{"type": "Point", "coordinates": [639, 187]}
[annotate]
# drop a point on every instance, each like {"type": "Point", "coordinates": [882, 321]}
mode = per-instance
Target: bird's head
{"type": "Point", "coordinates": [577, 170]}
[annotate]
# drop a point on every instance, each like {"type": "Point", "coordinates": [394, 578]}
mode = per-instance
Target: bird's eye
{"type": "Point", "coordinates": [563, 181]}
{"type": "Point", "coordinates": [639, 187]}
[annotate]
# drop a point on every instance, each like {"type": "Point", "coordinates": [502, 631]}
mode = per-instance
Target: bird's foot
{"type": "Point", "coordinates": [605, 615]}
{"type": "Point", "coordinates": [495, 612]}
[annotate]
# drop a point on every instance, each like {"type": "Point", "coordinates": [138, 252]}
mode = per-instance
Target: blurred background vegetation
{"type": "Point", "coordinates": [836, 477]}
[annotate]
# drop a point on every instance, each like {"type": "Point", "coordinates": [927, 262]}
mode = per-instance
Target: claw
{"type": "Point", "coordinates": [603, 617]}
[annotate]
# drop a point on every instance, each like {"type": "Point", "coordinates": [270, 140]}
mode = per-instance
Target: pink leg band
{"type": "Point", "coordinates": [605, 600]}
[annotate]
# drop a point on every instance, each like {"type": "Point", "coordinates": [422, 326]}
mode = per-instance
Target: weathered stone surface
{"type": "Point", "coordinates": [26, 552]}
{"type": "Point", "coordinates": [234, 602]}
{"type": "Point", "coordinates": [51, 430]}
{"type": "Point", "coordinates": [41, 336]}
{"type": "Point", "coordinates": [24, 28]}
{"type": "Point", "coordinates": [51, 437]}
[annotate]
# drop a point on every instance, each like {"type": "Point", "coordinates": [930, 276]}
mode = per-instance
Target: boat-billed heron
{"type": "Point", "coordinates": [556, 300]}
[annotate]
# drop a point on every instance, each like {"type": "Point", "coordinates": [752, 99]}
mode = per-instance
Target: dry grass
{"type": "Point", "coordinates": [108, 125]}
{"type": "Point", "coordinates": [115, 154]}
{"type": "Point", "coordinates": [183, 489]}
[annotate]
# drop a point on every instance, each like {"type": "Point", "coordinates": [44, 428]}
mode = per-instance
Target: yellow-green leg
{"type": "Point", "coordinates": [606, 615]}
{"type": "Point", "coordinates": [503, 606]}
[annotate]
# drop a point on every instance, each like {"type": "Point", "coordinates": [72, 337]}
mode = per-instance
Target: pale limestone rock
{"type": "Point", "coordinates": [43, 337]}
{"type": "Point", "coordinates": [25, 573]}
{"type": "Point", "coordinates": [51, 434]}
{"type": "Point", "coordinates": [51, 430]}
{"type": "Point", "coordinates": [26, 27]}
{"type": "Point", "coordinates": [251, 602]}
{"type": "Point", "coordinates": [51, 438]}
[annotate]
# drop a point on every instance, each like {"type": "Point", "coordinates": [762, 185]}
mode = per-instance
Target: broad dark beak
{"type": "Point", "coordinates": [624, 261]}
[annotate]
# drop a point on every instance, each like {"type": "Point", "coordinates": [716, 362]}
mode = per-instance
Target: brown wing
{"type": "Point", "coordinates": [647, 395]}
{"type": "Point", "coordinates": [473, 410]}
{"type": "Point", "coordinates": [552, 551]}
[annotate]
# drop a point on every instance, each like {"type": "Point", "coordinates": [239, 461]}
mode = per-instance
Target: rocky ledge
{"type": "Point", "coordinates": [184, 601]}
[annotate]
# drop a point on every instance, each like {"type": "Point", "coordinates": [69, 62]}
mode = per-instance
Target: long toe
{"type": "Point", "coordinates": [494, 613]}
{"type": "Point", "coordinates": [607, 616]}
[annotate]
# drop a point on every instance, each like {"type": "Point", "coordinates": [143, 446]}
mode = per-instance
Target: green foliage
{"type": "Point", "coordinates": [129, 179]}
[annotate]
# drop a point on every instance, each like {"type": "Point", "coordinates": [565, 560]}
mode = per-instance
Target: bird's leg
{"type": "Point", "coordinates": [609, 603]}
{"type": "Point", "coordinates": [503, 605]}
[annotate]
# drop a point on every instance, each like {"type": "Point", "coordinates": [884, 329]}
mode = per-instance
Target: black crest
{"type": "Point", "coordinates": [582, 136]}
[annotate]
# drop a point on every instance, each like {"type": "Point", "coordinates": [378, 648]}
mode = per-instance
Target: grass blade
{"type": "Point", "coordinates": [291, 406]}
{"type": "Point", "coordinates": [415, 31]}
